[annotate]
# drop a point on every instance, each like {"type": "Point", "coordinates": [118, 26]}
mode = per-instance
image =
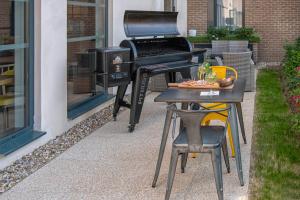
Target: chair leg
{"type": "Point", "coordinates": [225, 155]}
{"type": "Point", "coordinates": [172, 170]}
{"type": "Point", "coordinates": [241, 121]}
{"type": "Point", "coordinates": [231, 141]}
{"type": "Point", "coordinates": [217, 166]}
{"type": "Point", "coordinates": [184, 158]}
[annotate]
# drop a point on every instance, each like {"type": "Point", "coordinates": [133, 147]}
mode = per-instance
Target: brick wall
{"type": "Point", "coordinates": [197, 15]}
{"type": "Point", "coordinates": [276, 21]}
{"type": "Point", "coordinates": [4, 17]}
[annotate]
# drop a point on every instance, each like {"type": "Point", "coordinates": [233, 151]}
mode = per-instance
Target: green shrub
{"type": "Point", "coordinates": [295, 92]}
{"type": "Point", "coordinates": [292, 59]}
{"type": "Point", "coordinates": [217, 33]}
{"type": "Point", "coordinates": [244, 32]}
{"type": "Point", "coordinates": [224, 33]}
{"type": "Point", "coordinates": [291, 67]}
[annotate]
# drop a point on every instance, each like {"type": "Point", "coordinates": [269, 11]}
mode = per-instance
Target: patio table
{"type": "Point", "coordinates": [232, 97]}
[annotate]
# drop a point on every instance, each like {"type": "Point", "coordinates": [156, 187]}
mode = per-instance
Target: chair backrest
{"type": "Point", "coordinates": [222, 71]}
{"type": "Point", "coordinates": [241, 62]}
{"type": "Point", "coordinates": [238, 45]}
{"type": "Point", "coordinates": [192, 122]}
{"type": "Point", "coordinates": [219, 46]}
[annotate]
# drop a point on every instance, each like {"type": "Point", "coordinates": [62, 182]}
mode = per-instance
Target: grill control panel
{"type": "Point", "coordinates": [113, 66]}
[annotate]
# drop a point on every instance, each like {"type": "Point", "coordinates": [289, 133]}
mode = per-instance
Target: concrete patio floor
{"type": "Point", "coordinates": [114, 164]}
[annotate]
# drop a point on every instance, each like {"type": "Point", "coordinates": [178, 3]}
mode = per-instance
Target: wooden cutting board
{"type": "Point", "coordinates": [209, 86]}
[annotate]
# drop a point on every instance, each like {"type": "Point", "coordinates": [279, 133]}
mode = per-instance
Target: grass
{"type": "Point", "coordinates": [276, 143]}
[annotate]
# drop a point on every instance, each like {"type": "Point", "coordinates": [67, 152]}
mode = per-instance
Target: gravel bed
{"type": "Point", "coordinates": [30, 163]}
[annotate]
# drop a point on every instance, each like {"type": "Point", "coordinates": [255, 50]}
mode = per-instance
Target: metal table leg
{"type": "Point", "coordinates": [241, 121]}
{"type": "Point", "coordinates": [236, 141]}
{"type": "Point", "coordinates": [164, 139]}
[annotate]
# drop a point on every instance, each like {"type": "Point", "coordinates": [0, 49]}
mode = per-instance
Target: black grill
{"type": "Point", "coordinates": [149, 57]}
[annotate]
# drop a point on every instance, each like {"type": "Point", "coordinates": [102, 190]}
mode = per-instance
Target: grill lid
{"type": "Point", "coordinates": [150, 23]}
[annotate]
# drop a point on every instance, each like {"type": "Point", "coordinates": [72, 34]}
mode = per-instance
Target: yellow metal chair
{"type": "Point", "coordinates": [221, 72]}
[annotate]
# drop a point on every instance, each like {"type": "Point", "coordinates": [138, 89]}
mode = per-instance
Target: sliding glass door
{"type": "Point", "coordinates": [15, 48]}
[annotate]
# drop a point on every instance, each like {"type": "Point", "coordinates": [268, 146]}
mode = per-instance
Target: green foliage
{"type": "Point", "coordinates": [291, 62]}
{"type": "Point", "coordinates": [224, 33]}
{"type": "Point", "coordinates": [199, 39]}
{"type": "Point", "coordinates": [244, 32]}
{"type": "Point", "coordinates": [217, 33]}
{"type": "Point", "coordinates": [295, 92]}
{"type": "Point", "coordinates": [276, 144]}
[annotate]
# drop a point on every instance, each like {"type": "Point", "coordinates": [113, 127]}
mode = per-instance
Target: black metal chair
{"type": "Point", "coordinates": [194, 138]}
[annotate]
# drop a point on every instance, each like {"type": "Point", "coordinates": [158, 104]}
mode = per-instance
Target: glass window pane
{"type": "Point", "coordinates": [14, 59]}
{"type": "Point", "coordinates": [81, 84]}
{"type": "Point", "coordinates": [81, 21]}
{"type": "Point", "coordinates": [86, 30]}
{"type": "Point", "coordinates": [229, 13]}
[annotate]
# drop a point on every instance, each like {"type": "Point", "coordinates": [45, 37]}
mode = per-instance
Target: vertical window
{"type": "Point", "coordinates": [227, 13]}
{"type": "Point", "coordinates": [15, 53]}
{"type": "Point", "coordinates": [86, 30]}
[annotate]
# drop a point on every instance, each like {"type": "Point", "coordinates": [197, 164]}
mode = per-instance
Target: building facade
{"type": "Point", "coordinates": [277, 22]}
{"type": "Point", "coordinates": [43, 91]}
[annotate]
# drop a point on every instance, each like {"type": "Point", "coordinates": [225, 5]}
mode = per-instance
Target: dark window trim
{"type": "Point", "coordinates": [84, 107]}
{"type": "Point", "coordinates": [26, 135]}
{"type": "Point", "coordinates": [77, 110]}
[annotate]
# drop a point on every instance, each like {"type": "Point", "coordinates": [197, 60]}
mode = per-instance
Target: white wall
{"type": "Point", "coordinates": [119, 7]}
{"type": "Point", "coordinates": [181, 8]}
{"type": "Point", "coordinates": [51, 64]}
{"type": "Point", "coordinates": [50, 99]}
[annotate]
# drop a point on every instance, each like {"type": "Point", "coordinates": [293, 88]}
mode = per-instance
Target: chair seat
{"type": "Point", "coordinates": [212, 137]}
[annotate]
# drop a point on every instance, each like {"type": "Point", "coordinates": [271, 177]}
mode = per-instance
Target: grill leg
{"type": "Point", "coordinates": [120, 95]}
{"type": "Point", "coordinates": [139, 92]}
{"type": "Point", "coordinates": [186, 74]}
{"type": "Point", "coordinates": [170, 77]}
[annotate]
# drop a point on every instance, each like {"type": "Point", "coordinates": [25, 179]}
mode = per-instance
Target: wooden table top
{"type": "Point", "coordinates": [179, 95]}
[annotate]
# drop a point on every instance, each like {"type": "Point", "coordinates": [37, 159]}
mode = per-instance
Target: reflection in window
{"type": "Point", "coordinates": [229, 13]}
{"type": "Point", "coordinates": [86, 30]}
{"type": "Point", "coordinates": [14, 59]}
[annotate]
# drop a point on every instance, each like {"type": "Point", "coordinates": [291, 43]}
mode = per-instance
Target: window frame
{"type": "Point", "coordinates": [80, 108]}
{"type": "Point", "coordinates": [25, 135]}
